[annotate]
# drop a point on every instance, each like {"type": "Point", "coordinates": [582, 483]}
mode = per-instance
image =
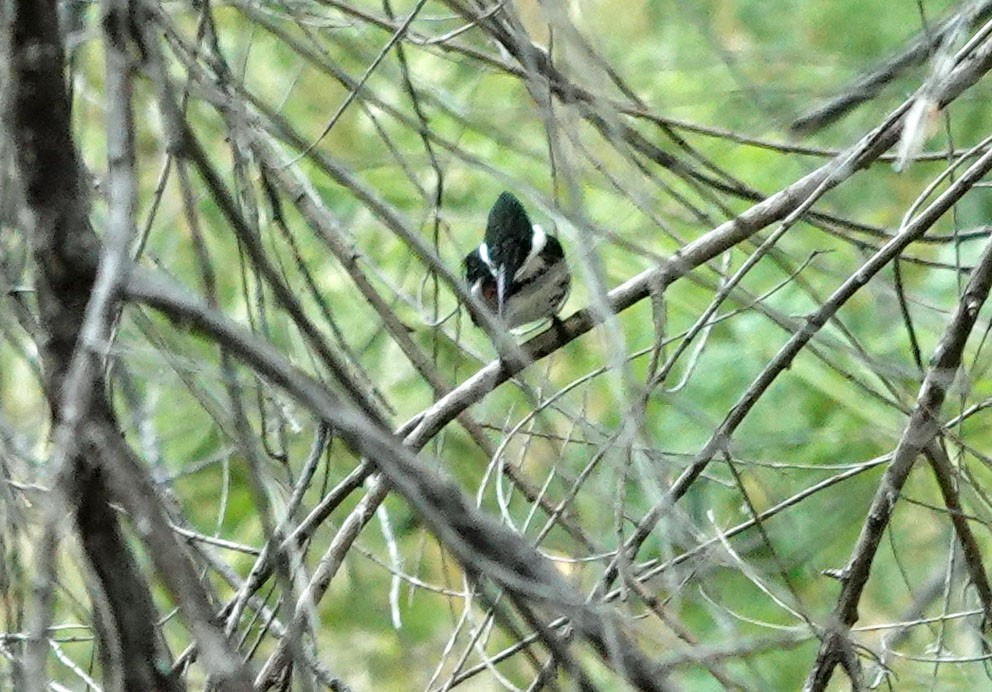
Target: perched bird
{"type": "Point", "coordinates": [519, 271]}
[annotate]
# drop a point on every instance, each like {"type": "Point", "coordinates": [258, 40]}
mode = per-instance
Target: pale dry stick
{"type": "Point", "coordinates": [496, 468]}
{"type": "Point", "coordinates": [517, 647]}
{"type": "Point", "coordinates": [215, 541]}
{"type": "Point", "coordinates": [918, 620]}
{"type": "Point", "coordinates": [921, 429]}
{"type": "Point", "coordinates": [445, 38]}
{"type": "Point", "coordinates": [564, 443]}
{"type": "Point", "coordinates": [389, 537]}
{"type": "Point", "coordinates": [980, 658]}
{"type": "Point", "coordinates": [724, 289]}
{"type": "Point", "coordinates": [944, 174]}
{"type": "Point", "coordinates": [701, 326]}
{"type": "Point", "coordinates": [910, 618]}
{"type": "Point", "coordinates": [738, 652]}
{"type": "Point", "coordinates": [329, 503]}
{"type": "Point", "coordinates": [739, 616]}
{"type": "Point", "coordinates": [67, 661]}
{"type": "Point", "coordinates": [497, 463]}
{"type": "Point", "coordinates": [562, 505]}
{"type": "Point", "coordinates": [789, 324]}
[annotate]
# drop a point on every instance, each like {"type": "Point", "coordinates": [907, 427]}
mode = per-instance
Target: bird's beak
{"type": "Point", "coordinates": [502, 288]}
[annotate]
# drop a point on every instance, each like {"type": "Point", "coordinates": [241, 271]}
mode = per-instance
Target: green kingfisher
{"type": "Point", "coordinates": [519, 271]}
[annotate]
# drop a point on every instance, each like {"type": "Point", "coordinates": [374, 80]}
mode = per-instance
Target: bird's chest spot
{"type": "Point", "coordinates": [485, 290]}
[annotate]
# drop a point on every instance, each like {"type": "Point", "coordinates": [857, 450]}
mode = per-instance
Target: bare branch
{"type": "Point", "coordinates": [921, 429]}
{"type": "Point", "coordinates": [484, 547]}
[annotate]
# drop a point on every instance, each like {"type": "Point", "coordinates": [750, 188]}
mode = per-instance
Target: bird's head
{"type": "Point", "coordinates": [508, 244]}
